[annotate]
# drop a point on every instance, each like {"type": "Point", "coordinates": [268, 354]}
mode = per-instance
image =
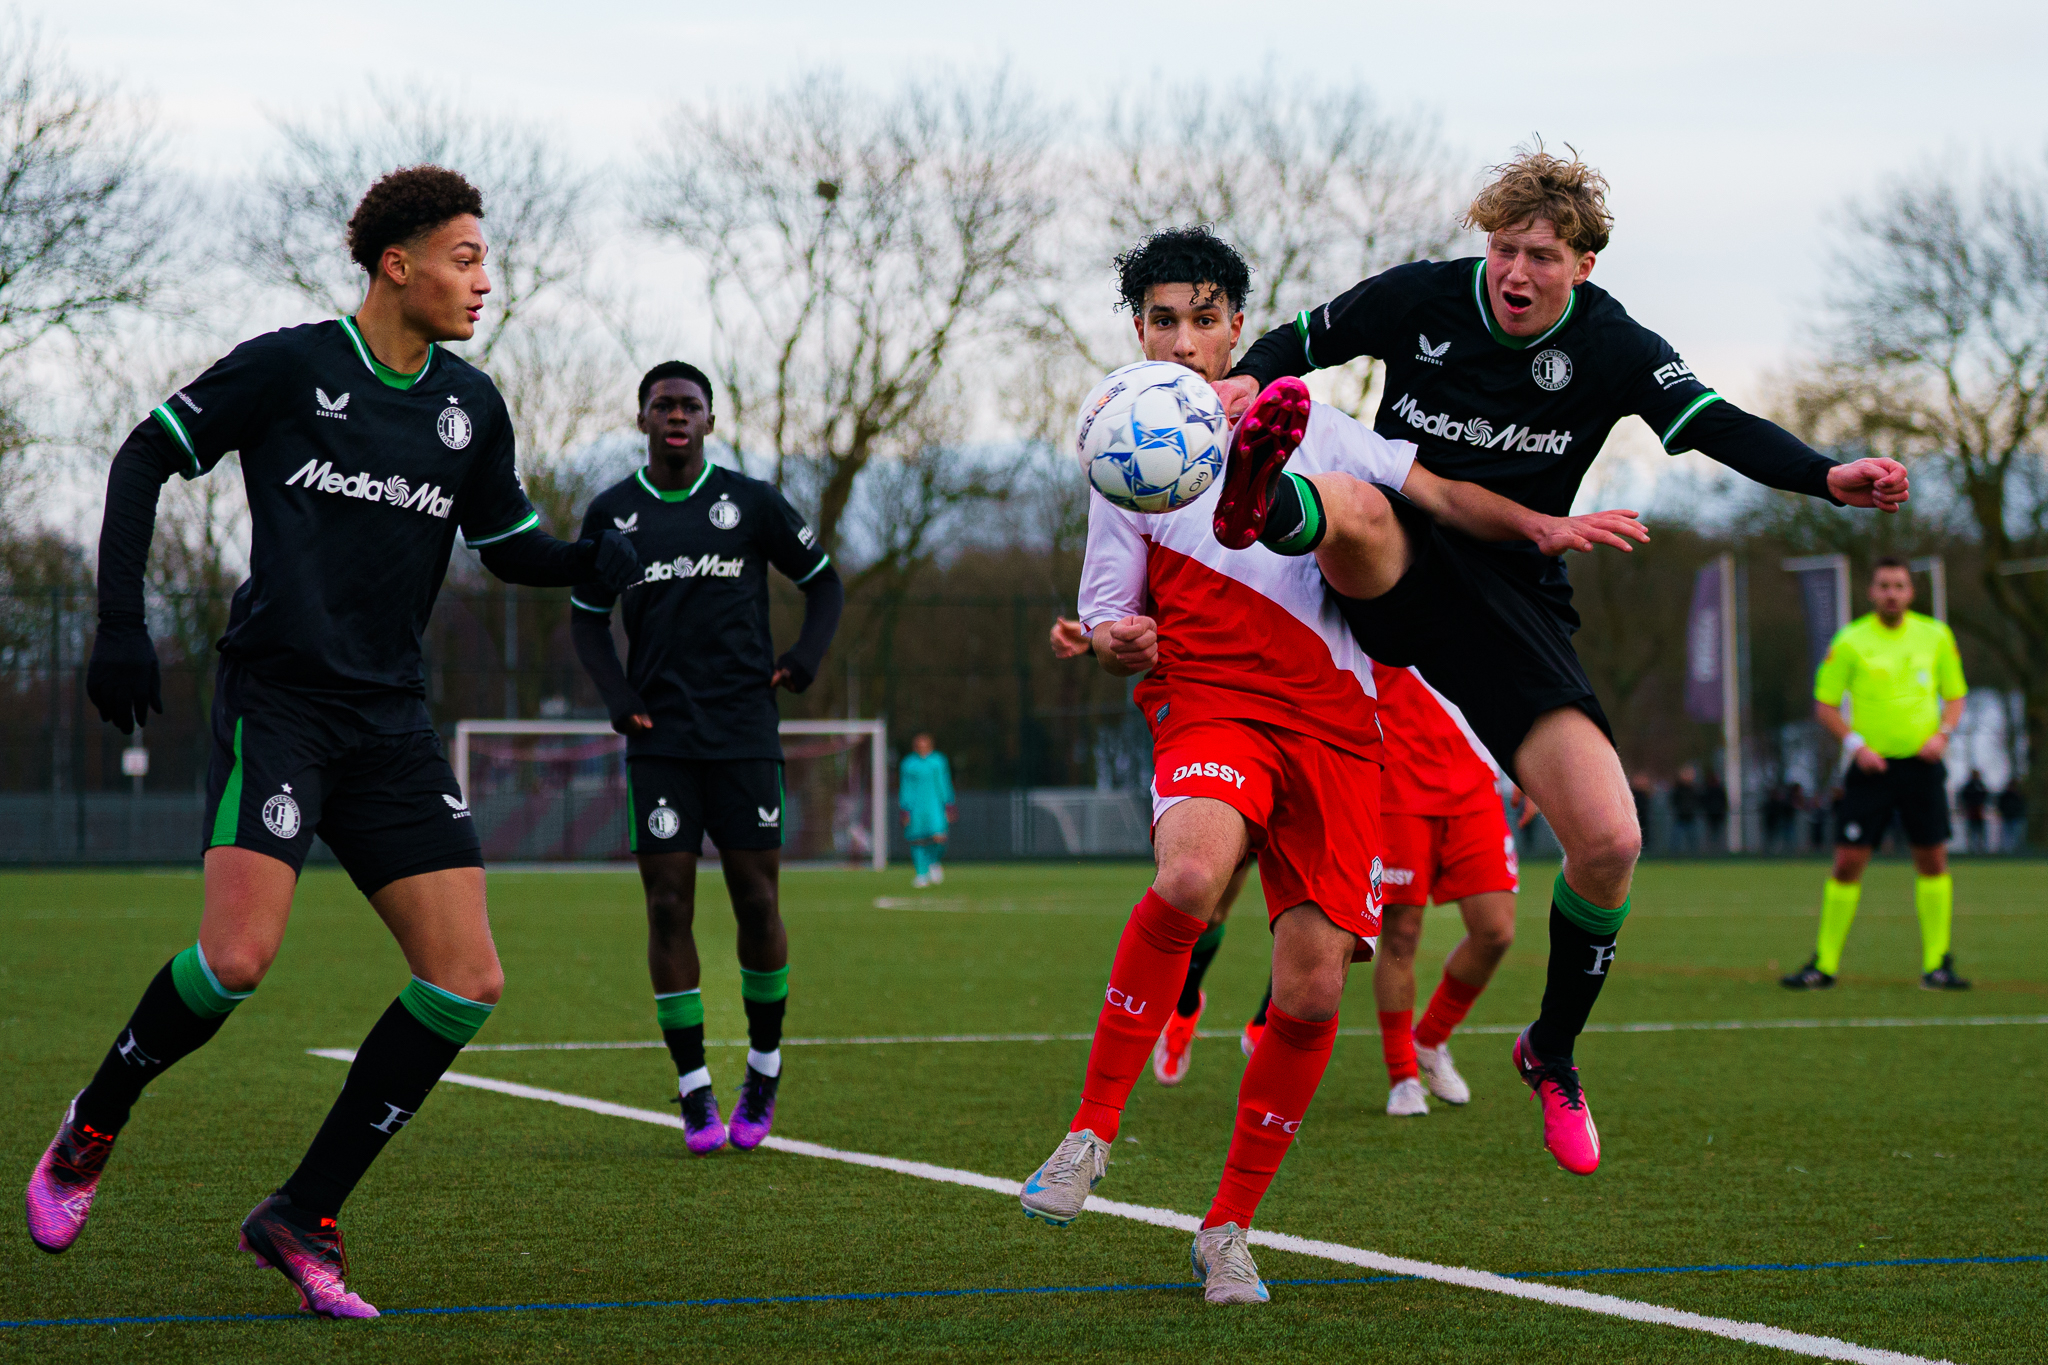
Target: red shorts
{"type": "Point", "coordinates": [1449, 857]}
{"type": "Point", "coordinates": [1314, 811]}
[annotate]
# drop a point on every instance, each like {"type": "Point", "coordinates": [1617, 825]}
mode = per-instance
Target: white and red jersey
{"type": "Point", "coordinates": [1243, 634]}
{"type": "Point", "coordinates": [1435, 765]}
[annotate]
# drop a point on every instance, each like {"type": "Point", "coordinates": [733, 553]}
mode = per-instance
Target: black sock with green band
{"type": "Point", "coordinates": [1582, 938]}
{"type": "Point", "coordinates": [681, 1016]}
{"type": "Point", "coordinates": [766, 997]}
{"type": "Point", "coordinates": [1198, 966]}
{"type": "Point", "coordinates": [418, 1038]}
{"type": "Point", "coordinates": [1295, 524]}
{"type": "Point", "coordinates": [183, 1007]}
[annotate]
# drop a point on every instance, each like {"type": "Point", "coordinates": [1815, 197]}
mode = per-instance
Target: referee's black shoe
{"type": "Point", "coordinates": [1944, 978]}
{"type": "Point", "coordinates": [1808, 978]}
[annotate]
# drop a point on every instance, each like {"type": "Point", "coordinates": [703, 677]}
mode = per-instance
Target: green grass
{"type": "Point", "coordinates": [1720, 1147]}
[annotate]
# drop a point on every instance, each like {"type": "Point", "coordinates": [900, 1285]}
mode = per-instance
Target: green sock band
{"type": "Point", "coordinates": [1594, 919]}
{"type": "Point", "coordinates": [679, 1009]}
{"type": "Point", "coordinates": [445, 1012]}
{"type": "Point", "coordinates": [1934, 902]}
{"type": "Point", "coordinates": [764, 988]}
{"type": "Point", "coordinates": [200, 989]}
{"type": "Point", "coordinates": [1838, 902]}
{"type": "Point", "coordinates": [1211, 939]}
{"type": "Point", "coordinates": [1308, 532]}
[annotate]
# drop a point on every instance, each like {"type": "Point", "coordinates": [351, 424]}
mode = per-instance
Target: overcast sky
{"type": "Point", "coordinates": [1732, 133]}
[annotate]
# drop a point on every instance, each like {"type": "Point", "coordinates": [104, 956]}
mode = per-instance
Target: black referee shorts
{"type": "Point", "coordinates": [285, 767]}
{"type": "Point", "coordinates": [1484, 636]}
{"type": "Point", "coordinates": [1914, 789]}
{"type": "Point", "coordinates": [677, 801]}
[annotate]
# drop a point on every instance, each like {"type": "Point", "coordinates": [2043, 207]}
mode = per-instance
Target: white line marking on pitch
{"type": "Point", "coordinates": [1756, 1333]}
{"type": "Point", "coordinates": [1684, 1026]}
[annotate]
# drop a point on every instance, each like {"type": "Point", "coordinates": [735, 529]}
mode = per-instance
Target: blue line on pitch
{"type": "Point", "coordinates": [997, 1292]}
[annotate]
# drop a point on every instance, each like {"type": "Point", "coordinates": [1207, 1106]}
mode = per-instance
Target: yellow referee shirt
{"type": "Point", "coordinates": [1896, 680]}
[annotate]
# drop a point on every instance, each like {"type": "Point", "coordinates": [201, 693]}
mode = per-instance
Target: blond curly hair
{"type": "Point", "coordinates": [1570, 195]}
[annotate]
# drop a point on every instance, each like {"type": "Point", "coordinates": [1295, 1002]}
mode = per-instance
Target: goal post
{"type": "Point", "coordinates": [555, 790]}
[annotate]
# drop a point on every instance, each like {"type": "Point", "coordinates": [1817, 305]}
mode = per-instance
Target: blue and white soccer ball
{"type": "Point", "coordinates": [1152, 436]}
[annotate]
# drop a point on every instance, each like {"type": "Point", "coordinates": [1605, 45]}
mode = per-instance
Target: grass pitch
{"type": "Point", "coordinates": [1721, 1148]}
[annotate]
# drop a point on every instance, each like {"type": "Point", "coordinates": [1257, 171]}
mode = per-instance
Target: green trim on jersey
{"type": "Point", "coordinates": [673, 494]}
{"type": "Point", "coordinates": [632, 815]}
{"type": "Point", "coordinates": [385, 374]}
{"type": "Point", "coordinates": [814, 572]}
{"type": "Point", "coordinates": [1301, 326]}
{"type": "Point", "coordinates": [1493, 328]}
{"type": "Point", "coordinates": [576, 601]}
{"type": "Point", "coordinates": [526, 523]}
{"type": "Point", "coordinates": [1692, 410]}
{"type": "Point", "coordinates": [228, 818]}
{"type": "Point", "coordinates": [168, 420]}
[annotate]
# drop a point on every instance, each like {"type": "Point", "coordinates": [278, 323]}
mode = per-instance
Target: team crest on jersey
{"type": "Point", "coordinates": [1551, 370]}
{"type": "Point", "coordinates": [453, 424]}
{"type": "Point", "coordinates": [1428, 354]}
{"type": "Point", "coordinates": [281, 814]}
{"type": "Point", "coordinates": [663, 822]}
{"type": "Point", "coordinates": [725, 513]}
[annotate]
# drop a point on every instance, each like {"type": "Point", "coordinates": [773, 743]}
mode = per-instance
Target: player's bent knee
{"type": "Point", "coordinates": [239, 967]}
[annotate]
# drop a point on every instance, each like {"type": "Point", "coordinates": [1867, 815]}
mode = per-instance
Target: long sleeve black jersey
{"type": "Point", "coordinates": [357, 478]}
{"type": "Point", "coordinates": [1523, 416]}
{"type": "Point", "coordinates": [699, 649]}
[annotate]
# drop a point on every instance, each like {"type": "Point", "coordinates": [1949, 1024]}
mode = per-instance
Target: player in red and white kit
{"type": "Point", "coordinates": [1265, 737]}
{"type": "Point", "coordinates": [1446, 839]}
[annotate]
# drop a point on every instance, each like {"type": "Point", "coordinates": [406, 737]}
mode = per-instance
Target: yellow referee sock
{"type": "Point", "coordinates": [1934, 901]}
{"type": "Point", "coordinates": [1837, 912]}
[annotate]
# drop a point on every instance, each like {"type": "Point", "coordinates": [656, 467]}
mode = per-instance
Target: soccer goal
{"type": "Point", "coordinates": [555, 790]}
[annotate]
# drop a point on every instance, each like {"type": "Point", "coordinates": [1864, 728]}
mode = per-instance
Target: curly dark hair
{"type": "Point", "coordinates": [406, 203]}
{"type": "Point", "coordinates": [1183, 255]}
{"type": "Point", "coordinates": [675, 369]}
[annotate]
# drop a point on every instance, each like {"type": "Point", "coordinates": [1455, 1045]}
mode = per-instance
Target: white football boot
{"type": "Point", "coordinates": [1407, 1100]}
{"type": "Point", "coordinates": [1442, 1078]}
{"type": "Point", "coordinates": [1058, 1190]}
{"type": "Point", "coordinates": [1224, 1267]}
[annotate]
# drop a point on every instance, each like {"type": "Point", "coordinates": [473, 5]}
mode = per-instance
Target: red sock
{"type": "Point", "coordinates": [1447, 1009]}
{"type": "Point", "coordinates": [1397, 1041]}
{"type": "Point", "coordinates": [1279, 1081]}
{"type": "Point", "coordinates": [1144, 983]}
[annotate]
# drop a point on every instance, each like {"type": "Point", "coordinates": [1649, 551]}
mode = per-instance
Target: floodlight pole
{"type": "Point", "coordinates": [1937, 572]}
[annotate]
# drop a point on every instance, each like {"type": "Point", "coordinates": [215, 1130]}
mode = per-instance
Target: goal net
{"type": "Point", "coordinates": [555, 790]}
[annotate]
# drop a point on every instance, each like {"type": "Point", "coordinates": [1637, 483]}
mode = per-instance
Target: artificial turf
{"type": "Point", "coordinates": [1721, 1147]}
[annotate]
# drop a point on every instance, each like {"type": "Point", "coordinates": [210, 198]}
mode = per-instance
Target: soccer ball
{"type": "Point", "coordinates": [1151, 436]}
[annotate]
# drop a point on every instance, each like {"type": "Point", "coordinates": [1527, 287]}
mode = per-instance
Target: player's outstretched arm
{"type": "Point", "coordinates": [123, 678]}
{"type": "Point", "coordinates": [535, 559]}
{"type": "Point", "coordinates": [1486, 515]}
{"type": "Point", "coordinates": [1767, 453]}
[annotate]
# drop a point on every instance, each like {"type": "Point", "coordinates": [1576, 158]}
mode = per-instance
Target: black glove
{"type": "Point", "coordinates": [799, 677]}
{"type": "Point", "coordinates": [617, 563]}
{"type": "Point", "coordinates": [123, 678]}
{"type": "Point", "coordinates": [630, 706]}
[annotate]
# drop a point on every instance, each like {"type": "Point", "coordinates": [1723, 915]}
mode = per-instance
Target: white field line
{"type": "Point", "coordinates": [1682, 1026]}
{"type": "Point", "coordinates": [1760, 1334]}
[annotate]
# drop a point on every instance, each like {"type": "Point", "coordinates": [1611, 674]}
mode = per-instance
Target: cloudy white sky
{"type": "Point", "coordinates": [1733, 133]}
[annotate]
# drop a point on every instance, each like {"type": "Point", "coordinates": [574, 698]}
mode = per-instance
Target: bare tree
{"type": "Point", "coordinates": [854, 246]}
{"type": "Point", "coordinates": [1938, 355]}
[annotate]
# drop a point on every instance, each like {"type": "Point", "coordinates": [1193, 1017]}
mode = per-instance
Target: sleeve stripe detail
{"type": "Point", "coordinates": [168, 420]}
{"type": "Point", "coordinates": [814, 572]}
{"type": "Point", "coordinates": [532, 520]}
{"type": "Point", "coordinates": [1301, 323]}
{"type": "Point", "coordinates": [576, 601]}
{"type": "Point", "coordinates": [1692, 410]}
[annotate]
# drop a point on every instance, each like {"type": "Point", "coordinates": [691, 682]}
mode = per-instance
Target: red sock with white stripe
{"type": "Point", "coordinates": [1144, 982]}
{"type": "Point", "coordinates": [1278, 1084]}
{"type": "Point", "coordinates": [1447, 1009]}
{"type": "Point", "coordinates": [1397, 1041]}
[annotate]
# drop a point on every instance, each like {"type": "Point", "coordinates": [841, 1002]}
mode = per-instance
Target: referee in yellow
{"type": "Point", "coordinates": [1903, 680]}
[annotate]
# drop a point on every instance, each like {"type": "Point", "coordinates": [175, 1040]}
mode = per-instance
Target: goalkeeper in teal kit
{"type": "Point", "coordinates": [925, 792]}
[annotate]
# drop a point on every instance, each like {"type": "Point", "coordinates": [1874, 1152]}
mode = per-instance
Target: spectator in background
{"type": "Point", "coordinates": [1639, 787]}
{"type": "Point", "coordinates": [1685, 810]}
{"type": "Point", "coordinates": [924, 791]}
{"type": "Point", "coordinates": [1975, 796]}
{"type": "Point", "coordinates": [1777, 817]}
{"type": "Point", "coordinates": [2012, 816]}
{"type": "Point", "coordinates": [1714, 806]}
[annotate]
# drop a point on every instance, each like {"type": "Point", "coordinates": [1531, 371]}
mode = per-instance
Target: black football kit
{"type": "Point", "coordinates": [1490, 625]}
{"type": "Point", "coordinates": [700, 652]}
{"type": "Point", "coordinates": [357, 478]}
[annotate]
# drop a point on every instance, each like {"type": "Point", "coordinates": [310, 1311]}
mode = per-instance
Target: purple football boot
{"type": "Point", "coordinates": [314, 1261]}
{"type": "Point", "coordinates": [60, 1190]}
{"type": "Point", "coordinates": [754, 1115]}
{"type": "Point", "coordinates": [703, 1129]}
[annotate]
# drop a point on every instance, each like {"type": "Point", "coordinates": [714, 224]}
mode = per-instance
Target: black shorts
{"type": "Point", "coordinates": [284, 767]}
{"type": "Point", "coordinates": [677, 801]}
{"type": "Point", "coordinates": [1483, 634]}
{"type": "Point", "coordinates": [1913, 788]}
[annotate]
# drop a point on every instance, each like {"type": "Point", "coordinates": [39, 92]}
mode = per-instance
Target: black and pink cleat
{"type": "Point", "coordinates": [1269, 432]}
{"type": "Point", "coordinates": [312, 1259]}
{"type": "Point", "coordinates": [61, 1189]}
